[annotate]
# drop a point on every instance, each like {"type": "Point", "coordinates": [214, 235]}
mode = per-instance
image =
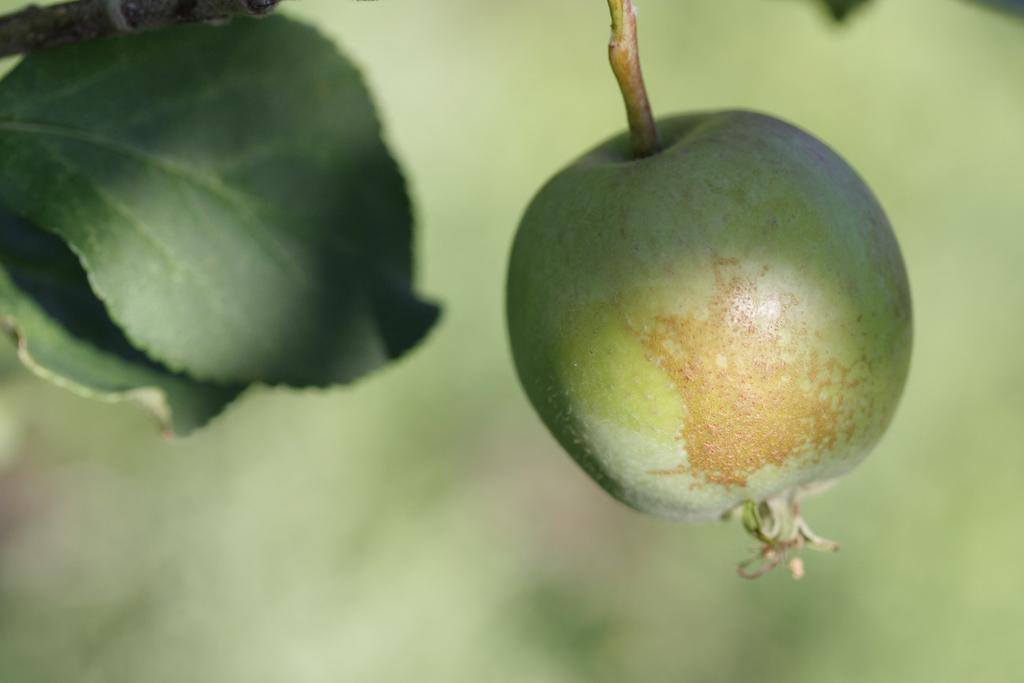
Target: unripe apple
{"type": "Point", "coordinates": [727, 321]}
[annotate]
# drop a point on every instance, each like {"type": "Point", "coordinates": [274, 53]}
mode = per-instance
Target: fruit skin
{"type": "Point", "coordinates": [727, 320]}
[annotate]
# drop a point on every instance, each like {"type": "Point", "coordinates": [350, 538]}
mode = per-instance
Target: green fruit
{"type": "Point", "coordinates": [727, 321]}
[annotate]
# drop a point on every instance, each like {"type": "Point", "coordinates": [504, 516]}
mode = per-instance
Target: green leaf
{"type": "Point", "coordinates": [227, 191]}
{"type": "Point", "coordinates": [840, 9]}
{"type": "Point", "coordinates": [64, 335]}
{"type": "Point", "coordinates": [1015, 7]}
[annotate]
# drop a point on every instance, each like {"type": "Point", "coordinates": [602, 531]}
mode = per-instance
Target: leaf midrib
{"type": "Point", "coordinates": [239, 200]}
{"type": "Point", "coordinates": [226, 312]}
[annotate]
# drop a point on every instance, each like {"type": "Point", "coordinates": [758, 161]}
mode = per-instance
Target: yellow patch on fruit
{"type": "Point", "coordinates": [613, 379]}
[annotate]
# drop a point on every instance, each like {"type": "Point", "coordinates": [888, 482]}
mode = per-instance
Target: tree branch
{"type": "Point", "coordinates": [37, 28]}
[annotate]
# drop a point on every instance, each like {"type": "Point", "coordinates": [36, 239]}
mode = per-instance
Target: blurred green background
{"type": "Point", "coordinates": [422, 526]}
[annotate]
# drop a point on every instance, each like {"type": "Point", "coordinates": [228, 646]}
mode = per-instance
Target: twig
{"type": "Point", "coordinates": [37, 28]}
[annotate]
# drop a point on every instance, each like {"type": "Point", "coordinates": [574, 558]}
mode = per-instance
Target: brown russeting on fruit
{"type": "Point", "coordinates": [756, 392]}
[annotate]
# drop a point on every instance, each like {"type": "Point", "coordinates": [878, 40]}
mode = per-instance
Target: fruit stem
{"type": "Point", "coordinates": [624, 55]}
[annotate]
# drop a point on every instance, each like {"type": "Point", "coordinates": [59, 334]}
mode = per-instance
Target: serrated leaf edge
{"type": "Point", "coordinates": [151, 399]}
